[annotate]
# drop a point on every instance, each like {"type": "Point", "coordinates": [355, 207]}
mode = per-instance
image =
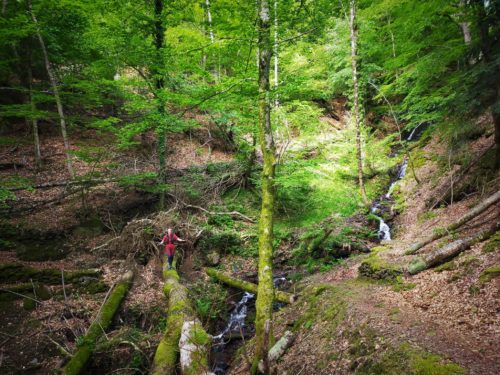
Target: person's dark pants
{"type": "Point", "coordinates": [170, 260]}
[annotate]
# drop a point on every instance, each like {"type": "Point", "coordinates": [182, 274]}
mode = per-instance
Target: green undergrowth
{"type": "Point", "coordinates": [322, 303]}
{"type": "Point", "coordinates": [210, 301]}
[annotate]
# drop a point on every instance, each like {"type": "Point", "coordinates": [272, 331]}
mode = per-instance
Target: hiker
{"type": "Point", "coordinates": [168, 240]}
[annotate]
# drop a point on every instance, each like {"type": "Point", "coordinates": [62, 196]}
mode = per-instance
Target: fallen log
{"type": "Point", "coordinates": [449, 251]}
{"type": "Point", "coordinates": [277, 351]}
{"type": "Point", "coordinates": [11, 292]}
{"type": "Point", "coordinates": [100, 324]}
{"type": "Point", "coordinates": [478, 209]}
{"type": "Point", "coordinates": [11, 273]}
{"type": "Point", "coordinates": [248, 286]}
{"type": "Point", "coordinates": [184, 336]}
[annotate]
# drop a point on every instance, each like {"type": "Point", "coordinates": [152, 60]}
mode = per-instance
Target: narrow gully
{"type": "Point", "coordinates": [236, 328]}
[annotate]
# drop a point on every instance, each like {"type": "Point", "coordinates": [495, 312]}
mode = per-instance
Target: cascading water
{"type": "Point", "coordinates": [236, 325]}
{"type": "Point", "coordinates": [384, 231]}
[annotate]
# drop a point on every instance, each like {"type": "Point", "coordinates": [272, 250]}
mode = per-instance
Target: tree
{"type": "Point", "coordinates": [354, 64]}
{"type": "Point", "coordinates": [57, 97]}
{"type": "Point", "coordinates": [266, 141]}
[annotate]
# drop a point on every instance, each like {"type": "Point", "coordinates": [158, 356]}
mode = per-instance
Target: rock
{"type": "Point", "coordinates": [375, 267]}
{"type": "Point", "coordinates": [213, 258]}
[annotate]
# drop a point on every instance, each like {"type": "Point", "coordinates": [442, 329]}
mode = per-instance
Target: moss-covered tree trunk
{"type": "Point", "coordinates": [184, 336]}
{"type": "Point", "coordinates": [265, 290]}
{"type": "Point", "coordinates": [248, 286]}
{"type": "Point", "coordinates": [477, 210]}
{"type": "Point", "coordinates": [100, 324]}
{"type": "Point", "coordinates": [11, 273]}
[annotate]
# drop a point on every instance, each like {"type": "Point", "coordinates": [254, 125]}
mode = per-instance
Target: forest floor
{"type": "Point", "coordinates": [344, 323]}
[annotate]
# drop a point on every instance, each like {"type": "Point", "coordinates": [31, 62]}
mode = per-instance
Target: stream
{"type": "Point", "coordinates": [384, 230]}
{"type": "Point", "coordinates": [236, 328]}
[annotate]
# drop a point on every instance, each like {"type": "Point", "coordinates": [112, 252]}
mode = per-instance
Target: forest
{"type": "Point", "coordinates": [285, 187]}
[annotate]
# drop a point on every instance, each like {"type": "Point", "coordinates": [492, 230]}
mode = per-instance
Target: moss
{"type": "Point", "coordinates": [374, 267]}
{"type": "Point", "coordinates": [417, 265]}
{"type": "Point", "coordinates": [323, 303]}
{"type": "Point", "coordinates": [179, 309]}
{"type": "Point", "coordinates": [108, 310]}
{"type": "Point", "coordinates": [412, 361]}
{"type": "Point", "coordinates": [493, 244]}
{"type": "Point", "coordinates": [11, 273]}
{"type": "Point", "coordinates": [400, 285]}
{"type": "Point", "coordinates": [448, 266]}
{"type": "Point", "coordinates": [199, 358]}
{"type": "Point", "coordinates": [92, 287]}
{"type": "Point", "coordinates": [489, 274]}
{"type": "Point", "coordinates": [17, 291]}
{"type": "Point", "coordinates": [29, 304]}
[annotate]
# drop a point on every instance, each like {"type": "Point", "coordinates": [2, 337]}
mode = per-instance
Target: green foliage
{"type": "Point", "coordinates": [225, 242]}
{"type": "Point", "coordinates": [210, 301]}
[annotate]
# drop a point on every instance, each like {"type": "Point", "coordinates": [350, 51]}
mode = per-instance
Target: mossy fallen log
{"type": "Point", "coordinates": [449, 251]}
{"type": "Point", "coordinates": [12, 273]}
{"type": "Point", "coordinates": [248, 286]}
{"type": "Point", "coordinates": [183, 333]}
{"type": "Point", "coordinates": [478, 209]}
{"type": "Point", "coordinates": [100, 324]}
{"type": "Point", "coordinates": [33, 290]}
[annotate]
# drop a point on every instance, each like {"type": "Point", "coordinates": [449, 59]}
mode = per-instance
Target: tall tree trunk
{"type": "Point", "coordinates": [275, 50]}
{"type": "Point", "coordinates": [159, 83]}
{"type": "Point", "coordinates": [34, 120]}
{"type": "Point", "coordinates": [265, 290]}
{"type": "Point", "coordinates": [53, 82]}
{"type": "Point", "coordinates": [465, 26]}
{"type": "Point", "coordinates": [354, 58]}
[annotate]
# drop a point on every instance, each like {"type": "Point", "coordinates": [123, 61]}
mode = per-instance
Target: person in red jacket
{"type": "Point", "coordinates": [169, 240]}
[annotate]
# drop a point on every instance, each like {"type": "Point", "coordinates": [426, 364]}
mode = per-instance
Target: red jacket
{"type": "Point", "coordinates": [169, 244]}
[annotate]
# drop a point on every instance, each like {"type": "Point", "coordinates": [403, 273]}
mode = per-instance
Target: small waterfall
{"type": "Point", "coordinates": [401, 173]}
{"type": "Point", "coordinates": [236, 324]}
{"type": "Point", "coordinates": [236, 319]}
{"type": "Point", "coordinates": [384, 231]}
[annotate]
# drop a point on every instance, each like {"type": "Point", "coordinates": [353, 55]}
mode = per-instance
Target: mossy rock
{"type": "Point", "coordinates": [374, 267]}
{"type": "Point", "coordinates": [29, 304]}
{"type": "Point", "coordinates": [213, 258]}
